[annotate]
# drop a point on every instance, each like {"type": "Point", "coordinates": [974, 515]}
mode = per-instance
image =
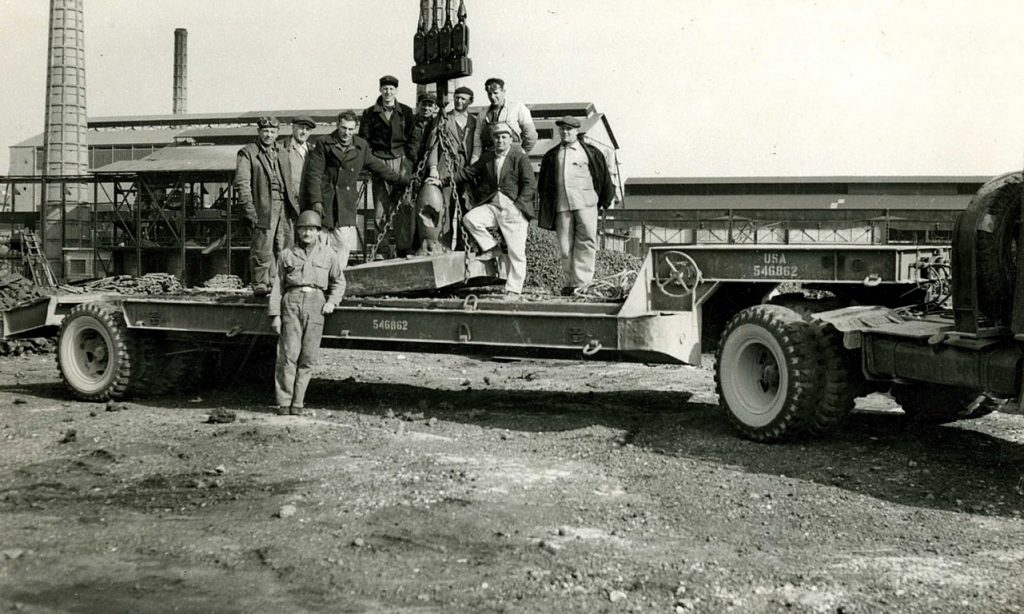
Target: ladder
{"type": "Point", "coordinates": [36, 260]}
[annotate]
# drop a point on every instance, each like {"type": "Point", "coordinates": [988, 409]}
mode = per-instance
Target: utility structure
{"type": "Point", "coordinates": [65, 148]}
{"type": "Point", "coordinates": [180, 71]}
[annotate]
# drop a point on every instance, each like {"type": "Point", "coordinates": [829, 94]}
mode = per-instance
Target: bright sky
{"type": "Point", "coordinates": [691, 87]}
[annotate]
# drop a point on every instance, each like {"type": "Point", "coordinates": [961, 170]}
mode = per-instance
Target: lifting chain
{"type": "Point", "coordinates": [389, 215]}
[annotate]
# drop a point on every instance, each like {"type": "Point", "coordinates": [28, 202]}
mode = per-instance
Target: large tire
{"type": "Point", "coordinates": [767, 375]}
{"type": "Point", "coordinates": [843, 380]}
{"type": "Point", "coordinates": [937, 404]}
{"type": "Point", "coordinates": [93, 354]}
{"type": "Point", "coordinates": [998, 203]}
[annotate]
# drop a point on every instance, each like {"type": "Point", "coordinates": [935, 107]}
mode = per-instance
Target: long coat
{"type": "Point", "coordinates": [252, 183]}
{"type": "Point", "coordinates": [331, 176]}
{"type": "Point", "coordinates": [294, 195]}
{"type": "Point", "coordinates": [547, 183]}
{"type": "Point", "coordinates": [387, 140]}
{"type": "Point", "coordinates": [516, 180]}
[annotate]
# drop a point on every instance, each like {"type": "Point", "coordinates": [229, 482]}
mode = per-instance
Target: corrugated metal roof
{"type": "Point", "coordinates": [893, 179]}
{"type": "Point", "coordinates": [196, 158]}
{"type": "Point", "coordinates": [240, 132]}
{"type": "Point", "coordinates": [109, 138]}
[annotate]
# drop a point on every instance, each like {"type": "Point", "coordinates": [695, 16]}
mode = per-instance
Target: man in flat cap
{"type": "Point", "coordinates": [387, 126]}
{"type": "Point", "coordinates": [504, 180]}
{"type": "Point", "coordinates": [261, 192]}
{"type": "Point", "coordinates": [515, 115]}
{"type": "Point", "coordinates": [293, 162]}
{"type": "Point", "coordinates": [574, 184]}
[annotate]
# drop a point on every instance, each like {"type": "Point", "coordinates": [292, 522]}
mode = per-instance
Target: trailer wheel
{"type": "Point", "coordinates": [93, 354]}
{"type": "Point", "coordinates": [999, 212]}
{"type": "Point", "coordinates": [843, 380]}
{"type": "Point", "coordinates": [937, 404]}
{"type": "Point", "coordinates": [767, 376]}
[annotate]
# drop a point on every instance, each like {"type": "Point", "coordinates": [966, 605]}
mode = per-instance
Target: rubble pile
{"type": "Point", "coordinates": [224, 282]}
{"type": "Point", "coordinates": [150, 283]}
{"type": "Point", "coordinates": [14, 290]}
{"type": "Point", "coordinates": [544, 272]}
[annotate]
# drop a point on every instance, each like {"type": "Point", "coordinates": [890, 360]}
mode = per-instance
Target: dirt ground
{"type": "Point", "coordinates": [446, 484]}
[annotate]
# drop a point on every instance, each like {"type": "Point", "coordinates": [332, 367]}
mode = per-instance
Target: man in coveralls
{"type": "Point", "coordinates": [305, 273]}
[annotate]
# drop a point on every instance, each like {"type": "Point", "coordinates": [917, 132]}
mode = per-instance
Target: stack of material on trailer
{"type": "Point", "coordinates": [224, 282]}
{"type": "Point", "coordinates": [150, 283]}
{"type": "Point", "coordinates": [544, 271]}
{"type": "Point", "coordinates": [16, 289]}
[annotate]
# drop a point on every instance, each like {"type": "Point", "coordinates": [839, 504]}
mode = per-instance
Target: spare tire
{"type": "Point", "coordinates": [998, 204]}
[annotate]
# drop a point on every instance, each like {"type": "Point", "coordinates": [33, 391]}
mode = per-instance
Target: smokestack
{"type": "Point", "coordinates": [65, 148]}
{"type": "Point", "coordinates": [64, 143]}
{"type": "Point", "coordinates": [180, 71]}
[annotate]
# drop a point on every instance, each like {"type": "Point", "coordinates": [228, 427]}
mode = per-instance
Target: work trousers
{"type": "Point", "coordinates": [265, 245]}
{"type": "Point", "coordinates": [343, 240]}
{"type": "Point", "coordinates": [302, 326]}
{"type": "Point", "coordinates": [513, 226]}
{"type": "Point", "coordinates": [577, 244]}
{"type": "Point", "coordinates": [385, 195]}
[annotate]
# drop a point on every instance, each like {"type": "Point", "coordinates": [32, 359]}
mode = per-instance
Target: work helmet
{"type": "Point", "coordinates": [308, 218]}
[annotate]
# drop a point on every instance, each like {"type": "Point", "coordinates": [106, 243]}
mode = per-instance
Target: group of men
{"type": "Point", "coordinates": [293, 189]}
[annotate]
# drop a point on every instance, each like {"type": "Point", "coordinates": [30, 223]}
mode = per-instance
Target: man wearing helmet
{"type": "Point", "coordinates": [305, 273]}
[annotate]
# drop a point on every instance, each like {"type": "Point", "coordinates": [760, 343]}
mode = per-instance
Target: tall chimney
{"type": "Point", "coordinates": [180, 71]}
{"type": "Point", "coordinates": [64, 143]}
{"type": "Point", "coordinates": [65, 148]}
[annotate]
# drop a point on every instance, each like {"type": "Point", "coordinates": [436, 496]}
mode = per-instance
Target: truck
{"type": "Point", "coordinates": [856, 319]}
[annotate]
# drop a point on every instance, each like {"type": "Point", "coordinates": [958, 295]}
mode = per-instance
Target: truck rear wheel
{"type": "Point", "coordinates": [935, 403]}
{"type": "Point", "coordinates": [767, 376]}
{"type": "Point", "coordinates": [999, 212]}
{"type": "Point", "coordinates": [842, 383]}
{"type": "Point", "coordinates": [93, 354]}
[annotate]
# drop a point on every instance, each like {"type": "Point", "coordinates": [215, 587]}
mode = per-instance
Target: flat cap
{"type": "Point", "coordinates": [267, 122]}
{"type": "Point", "coordinates": [568, 121]}
{"type": "Point", "coordinates": [388, 80]}
{"type": "Point", "coordinates": [428, 97]}
{"type": "Point", "coordinates": [304, 119]}
{"type": "Point", "coordinates": [463, 90]}
{"type": "Point", "coordinates": [501, 128]}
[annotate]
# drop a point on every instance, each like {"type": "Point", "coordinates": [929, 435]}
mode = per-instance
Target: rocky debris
{"type": "Point", "coordinates": [69, 436]}
{"type": "Point", "coordinates": [16, 289]}
{"type": "Point", "coordinates": [286, 511]}
{"type": "Point", "coordinates": [544, 271]}
{"type": "Point", "coordinates": [616, 596]}
{"type": "Point", "coordinates": [19, 401]}
{"type": "Point", "coordinates": [113, 405]}
{"type": "Point", "coordinates": [12, 553]}
{"type": "Point", "coordinates": [221, 416]}
{"type": "Point", "coordinates": [224, 282]}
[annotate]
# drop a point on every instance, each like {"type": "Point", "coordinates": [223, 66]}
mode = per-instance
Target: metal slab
{"type": "Point", "coordinates": [417, 274]}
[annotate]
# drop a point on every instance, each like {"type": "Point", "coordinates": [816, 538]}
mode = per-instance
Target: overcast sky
{"type": "Point", "coordinates": [691, 88]}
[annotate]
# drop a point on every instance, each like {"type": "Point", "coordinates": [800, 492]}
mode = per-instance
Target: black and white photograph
{"type": "Point", "coordinates": [465, 306]}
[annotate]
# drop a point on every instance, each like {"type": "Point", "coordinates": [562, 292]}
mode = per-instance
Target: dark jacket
{"type": "Point", "coordinates": [293, 196]}
{"type": "Point", "coordinates": [387, 139]}
{"type": "Point", "coordinates": [516, 181]}
{"type": "Point", "coordinates": [547, 183]}
{"type": "Point", "coordinates": [252, 183]}
{"type": "Point", "coordinates": [331, 177]}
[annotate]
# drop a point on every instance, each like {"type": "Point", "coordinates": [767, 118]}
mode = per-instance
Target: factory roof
{"type": "Point", "coordinates": [184, 158]}
{"type": "Point", "coordinates": [166, 129]}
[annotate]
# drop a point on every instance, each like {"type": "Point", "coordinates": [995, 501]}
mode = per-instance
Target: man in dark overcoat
{"type": "Point", "coordinates": [260, 187]}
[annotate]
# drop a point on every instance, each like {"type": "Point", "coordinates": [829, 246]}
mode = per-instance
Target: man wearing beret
{"type": "Point", "coordinates": [515, 115]}
{"type": "Point", "coordinates": [574, 183]}
{"type": "Point", "coordinates": [261, 189]}
{"type": "Point", "coordinates": [504, 180]}
{"type": "Point", "coordinates": [387, 126]}
{"type": "Point", "coordinates": [295, 149]}
{"type": "Point", "coordinates": [332, 174]}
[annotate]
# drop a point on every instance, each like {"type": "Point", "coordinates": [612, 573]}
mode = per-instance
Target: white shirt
{"type": "Point", "coordinates": [575, 184]}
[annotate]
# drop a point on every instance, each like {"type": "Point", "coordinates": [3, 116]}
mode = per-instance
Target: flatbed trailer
{"type": "Point", "coordinates": [113, 346]}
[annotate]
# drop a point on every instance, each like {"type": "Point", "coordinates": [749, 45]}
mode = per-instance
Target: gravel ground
{"type": "Point", "coordinates": [446, 484]}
